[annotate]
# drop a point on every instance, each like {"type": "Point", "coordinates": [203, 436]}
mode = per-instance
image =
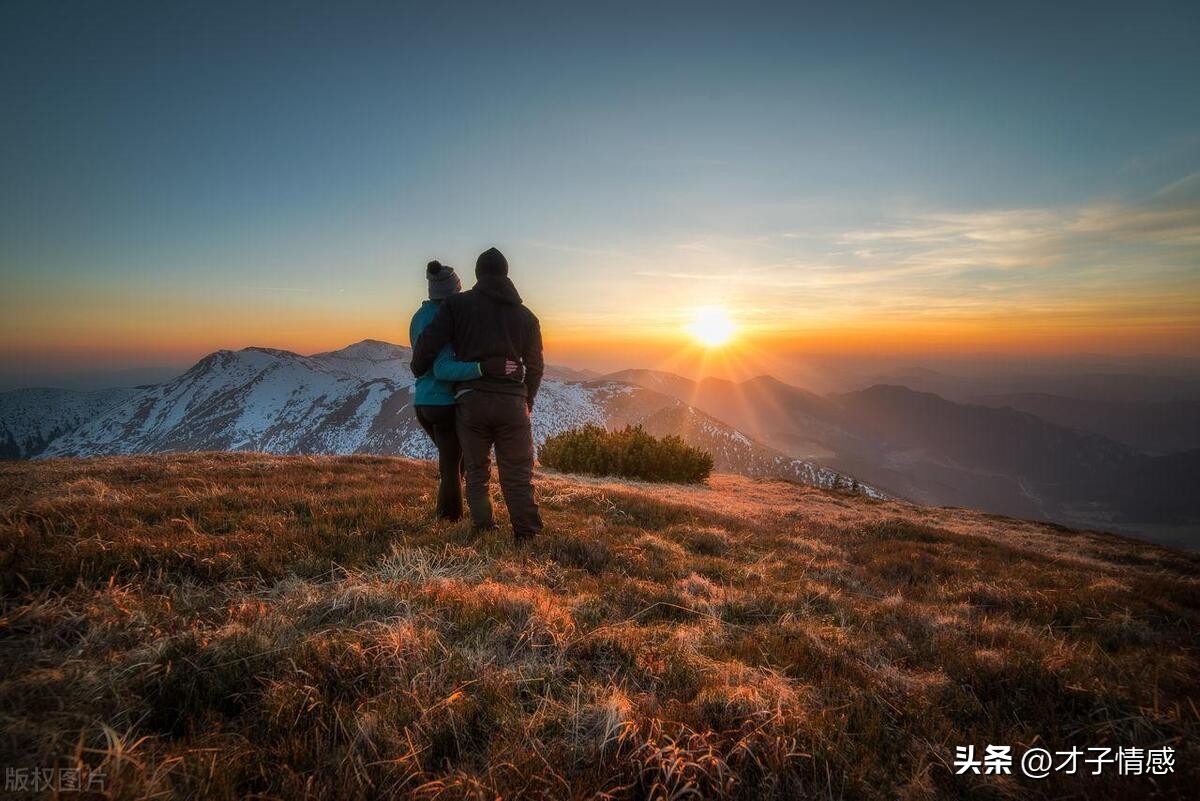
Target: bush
{"type": "Point", "coordinates": [630, 452]}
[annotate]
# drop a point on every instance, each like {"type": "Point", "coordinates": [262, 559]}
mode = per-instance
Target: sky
{"type": "Point", "coordinates": [862, 179]}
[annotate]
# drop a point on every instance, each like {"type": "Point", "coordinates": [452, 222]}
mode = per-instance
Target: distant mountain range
{"type": "Point", "coordinates": [921, 446]}
{"type": "Point", "coordinates": [1122, 465]}
{"type": "Point", "coordinates": [354, 400]}
{"type": "Point", "coordinates": [30, 419]}
{"type": "Point", "coordinates": [1112, 385]}
{"type": "Point", "coordinates": [1156, 427]}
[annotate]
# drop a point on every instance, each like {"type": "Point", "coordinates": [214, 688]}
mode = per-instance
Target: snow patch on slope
{"type": "Point", "coordinates": [31, 418]}
{"type": "Point", "coordinates": [359, 400]}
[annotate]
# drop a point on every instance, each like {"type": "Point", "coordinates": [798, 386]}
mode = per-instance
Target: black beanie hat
{"type": "Point", "coordinates": [443, 282]}
{"type": "Point", "coordinates": [491, 262]}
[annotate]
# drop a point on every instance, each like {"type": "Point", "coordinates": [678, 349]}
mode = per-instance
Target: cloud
{"type": "Point", "coordinates": [1103, 260]}
{"type": "Point", "coordinates": [1168, 222]}
{"type": "Point", "coordinates": [1105, 266]}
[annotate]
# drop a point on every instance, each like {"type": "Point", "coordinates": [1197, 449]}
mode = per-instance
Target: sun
{"type": "Point", "coordinates": [711, 326]}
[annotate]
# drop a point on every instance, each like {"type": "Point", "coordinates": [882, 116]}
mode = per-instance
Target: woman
{"type": "Point", "coordinates": [434, 394]}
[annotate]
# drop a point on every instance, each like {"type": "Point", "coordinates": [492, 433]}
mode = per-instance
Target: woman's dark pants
{"type": "Point", "coordinates": [439, 423]}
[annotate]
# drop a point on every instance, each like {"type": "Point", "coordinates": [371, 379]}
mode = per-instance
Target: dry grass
{"type": "Point", "coordinates": [225, 626]}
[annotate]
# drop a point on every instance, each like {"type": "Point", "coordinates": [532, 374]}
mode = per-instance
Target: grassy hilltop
{"type": "Point", "coordinates": [290, 627]}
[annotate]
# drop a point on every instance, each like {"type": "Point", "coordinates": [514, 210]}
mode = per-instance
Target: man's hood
{"type": "Point", "coordinates": [498, 288]}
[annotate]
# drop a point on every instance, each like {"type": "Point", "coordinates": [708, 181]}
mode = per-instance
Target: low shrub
{"type": "Point", "coordinates": [629, 452]}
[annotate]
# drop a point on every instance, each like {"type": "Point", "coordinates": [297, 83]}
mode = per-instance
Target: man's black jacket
{"type": "Point", "coordinates": [487, 320]}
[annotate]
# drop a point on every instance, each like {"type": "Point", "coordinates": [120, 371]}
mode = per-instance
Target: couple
{"type": "Point", "coordinates": [477, 356]}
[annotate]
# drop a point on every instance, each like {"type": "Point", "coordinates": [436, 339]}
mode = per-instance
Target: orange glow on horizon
{"type": "Point", "coordinates": [183, 335]}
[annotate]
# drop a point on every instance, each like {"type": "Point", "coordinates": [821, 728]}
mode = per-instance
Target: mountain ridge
{"type": "Point", "coordinates": [358, 399]}
{"type": "Point", "coordinates": [922, 446]}
{"type": "Point", "coordinates": [886, 439]}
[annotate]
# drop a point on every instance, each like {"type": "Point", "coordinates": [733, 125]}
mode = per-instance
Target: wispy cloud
{"type": "Point", "coordinates": [1039, 238]}
{"type": "Point", "coordinates": [1110, 262]}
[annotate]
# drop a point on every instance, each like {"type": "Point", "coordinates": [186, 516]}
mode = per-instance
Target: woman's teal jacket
{"type": "Point", "coordinates": [436, 388]}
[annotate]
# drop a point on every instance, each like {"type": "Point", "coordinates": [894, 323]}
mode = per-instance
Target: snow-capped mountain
{"type": "Point", "coordinates": [348, 401]}
{"type": "Point", "coordinates": [354, 400]}
{"type": "Point", "coordinates": [30, 419]}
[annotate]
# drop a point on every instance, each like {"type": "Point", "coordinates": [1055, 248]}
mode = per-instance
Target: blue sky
{"type": "Point", "coordinates": [186, 176]}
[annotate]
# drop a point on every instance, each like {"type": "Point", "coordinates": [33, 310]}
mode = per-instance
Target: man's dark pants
{"type": "Point", "coordinates": [439, 424]}
{"type": "Point", "coordinates": [493, 418]}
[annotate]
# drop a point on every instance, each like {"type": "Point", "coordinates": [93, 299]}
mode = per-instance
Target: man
{"type": "Point", "coordinates": [485, 322]}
